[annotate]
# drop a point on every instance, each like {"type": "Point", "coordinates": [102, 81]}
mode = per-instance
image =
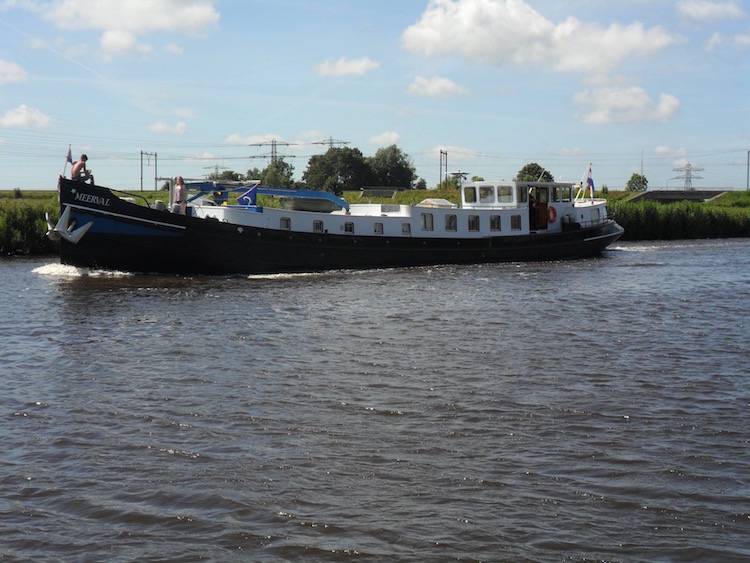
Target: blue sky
{"type": "Point", "coordinates": [626, 85]}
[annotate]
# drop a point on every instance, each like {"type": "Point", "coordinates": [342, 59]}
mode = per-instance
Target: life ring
{"type": "Point", "coordinates": [551, 214]}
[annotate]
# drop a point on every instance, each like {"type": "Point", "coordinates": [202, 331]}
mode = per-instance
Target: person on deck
{"type": "Point", "coordinates": [79, 172]}
{"type": "Point", "coordinates": [180, 197]}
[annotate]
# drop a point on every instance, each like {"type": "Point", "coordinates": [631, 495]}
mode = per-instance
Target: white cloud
{"type": "Point", "coordinates": [24, 116]}
{"type": "Point", "coordinates": [633, 104]}
{"type": "Point", "coordinates": [117, 42]}
{"type": "Point", "coordinates": [346, 67]}
{"type": "Point", "coordinates": [123, 23]}
{"type": "Point", "coordinates": [742, 41]}
{"type": "Point", "coordinates": [435, 86]}
{"type": "Point", "coordinates": [178, 128]}
{"type": "Point", "coordinates": [705, 10]}
{"type": "Point", "coordinates": [192, 17]}
{"type": "Point", "coordinates": [511, 31]}
{"type": "Point", "coordinates": [173, 49]}
{"type": "Point", "coordinates": [11, 72]}
{"type": "Point", "coordinates": [386, 138]}
{"type": "Point", "coordinates": [714, 41]}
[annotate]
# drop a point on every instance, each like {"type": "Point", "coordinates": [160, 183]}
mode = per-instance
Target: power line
{"type": "Point", "coordinates": [330, 142]}
{"type": "Point", "coordinates": [274, 152]}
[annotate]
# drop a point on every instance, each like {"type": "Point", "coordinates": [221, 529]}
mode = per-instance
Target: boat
{"type": "Point", "coordinates": [102, 228]}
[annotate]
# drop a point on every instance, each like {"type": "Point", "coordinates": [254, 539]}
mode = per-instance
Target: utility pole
{"type": "Point", "coordinates": [443, 166]}
{"type": "Point", "coordinates": [330, 142]}
{"type": "Point", "coordinates": [148, 156]}
{"type": "Point", "coordinates": [274, 154]}
{"type": "Point", "coordinates": [688, 169]}
{"type": "Point", "coordinates": [461, 177]}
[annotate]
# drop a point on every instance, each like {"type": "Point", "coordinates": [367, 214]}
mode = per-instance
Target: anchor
{"type": "Point", "coordinates": [65, 230]}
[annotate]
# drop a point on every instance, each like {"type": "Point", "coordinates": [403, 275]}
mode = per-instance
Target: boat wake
{"type": "Point", "coordinates": [57, 270]}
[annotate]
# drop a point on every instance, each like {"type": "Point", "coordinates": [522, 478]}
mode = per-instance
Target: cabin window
{"type": "Point", "coordinates": [406, 229]}
{"type": "Point", "coordinates": [378, 228]}
{"type": "Point", "coordinates": [470, 194]}
{"type": "Point", "coordinates": [555, 194]}
{"type": "Point", "coordinates": [595, 216]}
{"type": "Point", "coordinates": [542, 195]}
{"type": "Point", "coordinates": [523, 194]}
{"type": "Point", "coordinates": [505, 194]}
{"type": "Point", "coordinates": [451, 223]}
{"type": "Point", "coordinates": [567, 193]}
{"type": "Point", "coordinates": [349, 227]}
{"type": "Point", "coordinates": [473, 222]}
{"type": "Point", "coordinates": [515, 222]}
{"type": "Point", "coordinates": [318, 227]}
{"type": "Point", "coordinates": [495, 222]}
{"type": "Point", "coordinates": [285, 223]}
{"type": "Point", "coordinates": [486, 194]}
{"type": "Point", "coordinates": [426, 221]}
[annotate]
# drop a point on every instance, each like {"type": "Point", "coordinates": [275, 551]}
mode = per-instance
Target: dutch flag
{"type": "Point", "coordinates": [590, 182]}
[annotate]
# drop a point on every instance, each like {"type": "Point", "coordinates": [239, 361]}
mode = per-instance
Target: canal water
{"type": "Point", "coordinates": [565, 411]}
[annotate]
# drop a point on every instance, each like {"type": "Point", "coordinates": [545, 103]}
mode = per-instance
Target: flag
{"type": "Point", "coordinates": [69, 158]}
{"type": "Point", "coordinates": [590, 182]}
{"type": "Point", "coordinates": [249, 197]}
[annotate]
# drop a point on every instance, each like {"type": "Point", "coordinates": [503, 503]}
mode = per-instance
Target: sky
{"type": "Point", "coordinates": [151, 88]}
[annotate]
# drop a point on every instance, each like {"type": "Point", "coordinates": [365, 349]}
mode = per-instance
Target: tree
{"type": "Point", "coordinates": [532, 172]}
{"type": "Point", "coordinates": [338, 170]}
{"type": "Point", "coordinates": [253, 174]}
{"type": "Point", "coordinates": [450, 183]}
{"type": "Point", "coordinates": [421, 184]}
{"type": "Point", "coordinates": [637, 183]}
{"type": "Point", "coordinates": [392, 167]}
{"type": "Point", "coordinates": [225, 175]}
{"type": "Point", "coordinates": [278, 174]}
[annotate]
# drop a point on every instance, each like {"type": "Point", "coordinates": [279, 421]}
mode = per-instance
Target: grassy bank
{"type": "Point", "coordinates": [22, 224]}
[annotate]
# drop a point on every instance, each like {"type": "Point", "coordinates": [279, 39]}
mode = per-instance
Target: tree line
{"type": "Point", "coordinates": [338, 170]}
{"type": "Point", "coordinates": [342, 169]}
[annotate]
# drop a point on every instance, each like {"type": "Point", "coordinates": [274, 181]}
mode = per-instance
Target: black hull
{"type": "Point", "coordinates": [129, 237]}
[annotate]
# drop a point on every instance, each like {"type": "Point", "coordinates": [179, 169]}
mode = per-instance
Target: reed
{"type": "Point", "coordinates": [648, 220]}
{"type": "Point", "coordinates": [23, 227]}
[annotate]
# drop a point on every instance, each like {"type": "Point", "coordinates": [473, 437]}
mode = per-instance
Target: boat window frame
{"type": "Point", "coordinates": [451, 223]}
{"type": "Point", "coordinates": [470, 190]}
{"type": "Point", "coordinates": [523, 193]}
{"type": "Point", "coordinates": [378, 228]}
{"type": "Point", "coordinates": [473, 224]}
{"type": "Point", "coordinates": [349, 227]}
{"type": "Point", "coordinates": [505, 194]}
{"type": "Point", "coordinates": [285, 223]}
{"type": "Point", "coordinates": [406, 229]}
{"type": "Point", "coordinates": [319, 226]}
{"type": "Point", "coordinates": [516, 223]}
{"type": "Point", "coordinates": [426, 222]}
{"type": "Point", "coordinates": [486, 194]}
{"type": "Point", "coordinates": [496, 223]}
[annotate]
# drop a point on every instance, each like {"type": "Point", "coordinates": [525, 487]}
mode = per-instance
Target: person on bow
{"type": "Point", "coordinates": [79, 172]}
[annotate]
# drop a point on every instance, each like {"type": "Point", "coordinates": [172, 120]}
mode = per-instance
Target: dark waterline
{"type": "Point", "coordinates": [587, 410]}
